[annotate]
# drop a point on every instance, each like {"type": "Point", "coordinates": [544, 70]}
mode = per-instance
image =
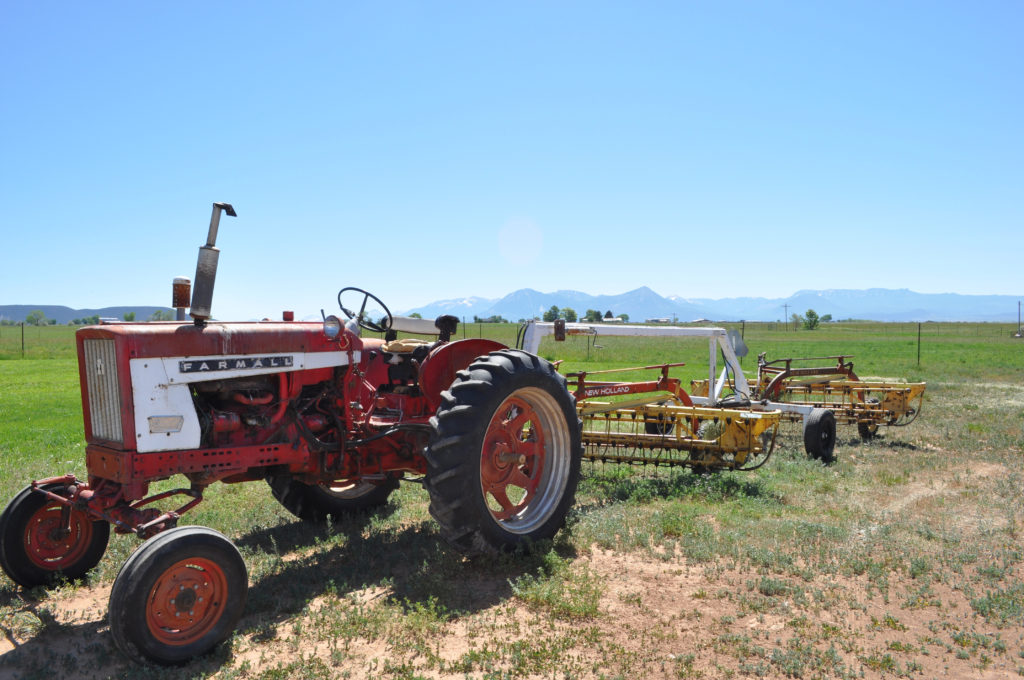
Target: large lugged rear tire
{"type": "Point", "coordinates": [177, 596]}
{"type": "Point", "coordinates": [38, 545]}
{"type": "Point", "coordinates": [820, 435]}
{"type": "Point", "coordinates": [504, 461]}
{"type": "Point", "coordinates": [315, 503]}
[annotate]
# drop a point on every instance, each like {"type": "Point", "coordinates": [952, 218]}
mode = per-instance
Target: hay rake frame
{"type": "Point", "coordinates": [657, 422]}
{"type": "Point", "coordinates": [867, 404]}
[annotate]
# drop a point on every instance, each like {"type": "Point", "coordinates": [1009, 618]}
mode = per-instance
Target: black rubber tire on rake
{"type": "Point", "coordinates": [820, 435]}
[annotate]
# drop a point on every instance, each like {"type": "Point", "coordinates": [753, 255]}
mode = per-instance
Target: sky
{"type": "Point", "coordinates": [438, 150]}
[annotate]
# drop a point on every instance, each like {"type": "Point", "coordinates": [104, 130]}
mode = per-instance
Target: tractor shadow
{"type": "Point", "coordinates": [346, 564]}
{"type": "Point", "coordinates": [360, 558]}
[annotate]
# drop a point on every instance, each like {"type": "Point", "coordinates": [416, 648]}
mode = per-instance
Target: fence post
{"type": "Point", "coordinates": [918, 343]}
{"type": "Point", "coordinates": [22, 339]}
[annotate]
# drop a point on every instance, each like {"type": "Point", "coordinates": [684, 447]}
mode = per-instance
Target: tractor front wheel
{"type": "Point", "coordinates": [820, 435]}
{"type": "Point", "coordinates": [177, 596]}
{"type": "Point", "coordinates": [504, 461]}
{"type": "Point", "coordinates": [315, 503]}
{"type": "Point", "coordinates": [42, 540]}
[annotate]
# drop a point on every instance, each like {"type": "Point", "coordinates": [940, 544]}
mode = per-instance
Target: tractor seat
{"type": "Point", "coordinates": [404, 345]}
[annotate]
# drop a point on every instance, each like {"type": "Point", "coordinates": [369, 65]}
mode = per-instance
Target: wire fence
{"type": "Point", "coordinates": [26, 341]}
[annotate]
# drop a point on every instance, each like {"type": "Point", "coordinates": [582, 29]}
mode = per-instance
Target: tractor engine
{"type": "Point", "coordinates": [254, 410]}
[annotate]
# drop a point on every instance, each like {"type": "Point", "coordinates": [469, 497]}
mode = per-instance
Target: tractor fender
{"type": "Point", "coordinates": [437, 372]}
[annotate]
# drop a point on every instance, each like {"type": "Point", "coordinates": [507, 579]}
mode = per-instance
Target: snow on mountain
{"type": "Point", "coordinates": [877, 304]}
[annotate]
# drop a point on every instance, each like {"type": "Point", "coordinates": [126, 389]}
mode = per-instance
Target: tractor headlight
{"type": "Point", "coordinates": [332, 327]}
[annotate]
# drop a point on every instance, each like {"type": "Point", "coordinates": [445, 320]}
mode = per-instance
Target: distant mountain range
{"type": "Point", "coordinates": [874, 304]}
{"type": "Point", "coordinates": [63, 315]}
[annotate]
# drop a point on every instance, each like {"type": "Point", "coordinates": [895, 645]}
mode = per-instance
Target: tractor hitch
{"type": "Point", "coordinates": [107, 503]}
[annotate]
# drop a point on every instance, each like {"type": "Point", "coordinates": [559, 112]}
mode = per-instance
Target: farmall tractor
{"type": "Point", "coordinates": [329, 419]}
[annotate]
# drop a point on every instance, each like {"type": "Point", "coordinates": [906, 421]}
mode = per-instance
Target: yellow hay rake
{"type": "Point", "coordinates": [728, 420]}
{"type": "Point", "coordinates": [655, 423]}
{"type": "Point", "coordinates": [865, 403]}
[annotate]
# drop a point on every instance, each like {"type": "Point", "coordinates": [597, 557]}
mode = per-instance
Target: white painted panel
{"type": "Point", "coordinates": [154, 396]}
{"type": "Point", "coordinates": [160, 389]}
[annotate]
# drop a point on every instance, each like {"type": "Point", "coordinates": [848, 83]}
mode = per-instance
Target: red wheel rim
{"type": "Point", "coordinates": [512, 458]}
{"type": "Point", "coordinates": [53, 543]}
{"type": "Point", "coordinates": [187, 601]}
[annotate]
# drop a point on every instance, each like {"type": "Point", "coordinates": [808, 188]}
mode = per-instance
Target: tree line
{"type": "Point", "coordinates": [38, 318]}
{"type": "Point", "coordinates": [554, 313]}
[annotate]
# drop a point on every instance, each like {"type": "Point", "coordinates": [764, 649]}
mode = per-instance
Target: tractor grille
{"type": "Point", "coordinates": [104, 397]}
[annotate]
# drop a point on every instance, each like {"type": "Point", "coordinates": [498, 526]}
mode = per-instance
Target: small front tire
{"type": "Point", "coordinates": [38, 545]}
{"type": "Point", "coordinates": [179, 595]}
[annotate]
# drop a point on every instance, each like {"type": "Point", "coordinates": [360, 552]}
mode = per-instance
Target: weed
{"type": "Point", "coordinates": [565, 591]}
{"type": "Point", "coordinates": [889, 622]}
{"type": "Point", "coordinates": [1002, 606]}
{"type": "Point", "coordinates": [919, 566]}
{"type": "Point", "coordinates": [684, 666]}
{"type": "Point", "coordinates": [880, 662]}
{"type": "Point", "coordinates": [923, 596]}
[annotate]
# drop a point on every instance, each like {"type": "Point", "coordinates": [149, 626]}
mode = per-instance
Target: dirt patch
{"type": "Point", "coordinates": [658, 618]}
{"type": "Point", "coordinates": [917, 491]}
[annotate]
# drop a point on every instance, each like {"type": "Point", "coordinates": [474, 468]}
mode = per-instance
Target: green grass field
{"type": "Point", "coordinates": [903, 559]}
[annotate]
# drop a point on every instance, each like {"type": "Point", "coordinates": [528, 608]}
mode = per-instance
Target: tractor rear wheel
{"type": "Point", "coordinates": [315, 503]}
{"type": "Point", "coordinates": [177, 596]}
{"type": "Point", "coordinates": [504, 461]}
{"type": "Point", "coordinates": [42, 540]}
{"type": "Point", "coordinates": [820, 435]}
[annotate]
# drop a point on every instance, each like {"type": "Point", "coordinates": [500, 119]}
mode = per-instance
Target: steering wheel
{"type": "Point", "coordinates": [380, 327]}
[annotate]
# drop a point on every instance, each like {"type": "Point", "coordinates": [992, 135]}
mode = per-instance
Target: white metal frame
{"type": "Point", "coordinates": [718, 338]}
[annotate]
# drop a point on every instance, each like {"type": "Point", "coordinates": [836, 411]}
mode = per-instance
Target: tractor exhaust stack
{"type": "Point", "coordinates": [206, 267]}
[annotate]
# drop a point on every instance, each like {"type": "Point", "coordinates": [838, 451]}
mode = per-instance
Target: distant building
{"type": "Point", "coordinates": [662, 319]}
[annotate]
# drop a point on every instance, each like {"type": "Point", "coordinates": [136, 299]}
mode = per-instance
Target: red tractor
{"type": "Point", "coordinates": [331, 420]}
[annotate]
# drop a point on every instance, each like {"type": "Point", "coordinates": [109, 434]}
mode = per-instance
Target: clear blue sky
{"type": "Point", "coordinates": [441, 150]}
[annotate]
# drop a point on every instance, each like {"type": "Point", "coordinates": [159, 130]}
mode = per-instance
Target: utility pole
{"type": "Point", "coordinates": [785, 317]}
